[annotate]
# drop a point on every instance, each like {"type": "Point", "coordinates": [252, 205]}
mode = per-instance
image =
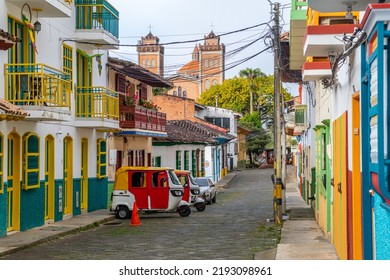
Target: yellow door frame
{"type": "Point", "coordinates": [68, 176]}
{"type": "Point", "coordinates": [13, 176]}
{"type": "Point", "coordinates": [49, 177]}
{"type": "Point", "coordinates": [356, 180]}
{"type": "Point", "coordinates": [84, 174]}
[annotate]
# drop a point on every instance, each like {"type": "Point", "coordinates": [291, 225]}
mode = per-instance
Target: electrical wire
{"type": "Point", "coordinates": [168, 43]}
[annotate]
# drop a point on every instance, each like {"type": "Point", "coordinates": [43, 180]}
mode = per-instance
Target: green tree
{"type": "Point", "coordinates": [235, 94]}
{"type": "Point", "coordinates": [251, 74]}
{"type": "Point", "coordinates": [259, 138]}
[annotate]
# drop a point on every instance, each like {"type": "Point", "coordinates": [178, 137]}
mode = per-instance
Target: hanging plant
{"type": "Point", "coordinates": [90, 57]}
{"type": "Point", "coordinates": [31, 31]}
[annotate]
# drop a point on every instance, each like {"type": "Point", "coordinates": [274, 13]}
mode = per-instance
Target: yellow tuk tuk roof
{"type": "Point", "coordinates": [121, 179]}
{"type": "Point", "coordinates": [181, 171]}
{"type": "Point", "coordinates": [141, 168]}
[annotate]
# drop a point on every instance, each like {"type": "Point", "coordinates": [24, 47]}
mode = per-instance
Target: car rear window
{"type": "Point", "coordinates": [202, 182]}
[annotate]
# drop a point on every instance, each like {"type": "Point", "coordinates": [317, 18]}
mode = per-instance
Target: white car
{"type": "Point", "coordinates": [207, 189]}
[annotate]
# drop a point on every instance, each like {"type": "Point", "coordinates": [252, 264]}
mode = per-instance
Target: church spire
{"type": "Point", "coordinates": [195, 53]}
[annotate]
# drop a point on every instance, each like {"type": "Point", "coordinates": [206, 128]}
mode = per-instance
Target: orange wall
{"type": "Point", "coordinates": [176, 108]}
{"type": "Point", "coordinates": [191, 87]}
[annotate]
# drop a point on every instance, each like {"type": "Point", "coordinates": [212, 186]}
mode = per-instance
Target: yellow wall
{"type": "Point", "coordinates": [340, 186]}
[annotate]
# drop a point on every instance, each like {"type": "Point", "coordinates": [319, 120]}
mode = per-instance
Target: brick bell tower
{"type": "Point", "coordinates": [151, 54]}
{"type": "Point", "coordinates": [212, 61]}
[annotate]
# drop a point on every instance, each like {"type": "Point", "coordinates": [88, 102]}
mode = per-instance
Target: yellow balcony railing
{"type": "Point", "coordinates": [97, 102]}
{"type": "Point", "coordinates": [36, 85]}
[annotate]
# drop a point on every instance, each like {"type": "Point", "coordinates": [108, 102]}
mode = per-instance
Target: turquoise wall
{"type": "Point", "coordinates": [97, 194]}
{"type": "Point", "coordinates": [3, 212]}
{"type": "Point", "coordinates": [76, 197]}
{"type": "Point", "coordinates": [382, 232]}
{"type": "Point", "coordinates": [57, 214]}
{"type": "Point", "coordinates": [32, 207]}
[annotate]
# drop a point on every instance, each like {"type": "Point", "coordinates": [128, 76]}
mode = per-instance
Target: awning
{"type": "Point", "coordinates": [136, 72]}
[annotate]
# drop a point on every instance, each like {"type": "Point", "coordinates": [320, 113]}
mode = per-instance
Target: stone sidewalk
{"type": "Point", "coordinates": [302, 238]}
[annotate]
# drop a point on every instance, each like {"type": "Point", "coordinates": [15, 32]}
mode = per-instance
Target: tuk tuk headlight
{"type": "Point", "coordinates": [177, 192]}
{"type": "Point", "coordinates": [195, 192]}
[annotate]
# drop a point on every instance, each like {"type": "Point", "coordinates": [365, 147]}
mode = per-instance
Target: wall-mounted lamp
{"type": "Point", "coordinates": [27, 20]}
{"type": "Point", "coordinates": [59, 132]}
{"type": "Point", "coordinates": [37, 24]}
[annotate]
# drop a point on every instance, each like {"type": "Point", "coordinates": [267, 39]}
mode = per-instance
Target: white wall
{"type": "Point", "coordinates": [348, 83]}
{"type": "Point", "coordinates": [49, 46]}
{"type": "Point", "coordinates": [168, 154]}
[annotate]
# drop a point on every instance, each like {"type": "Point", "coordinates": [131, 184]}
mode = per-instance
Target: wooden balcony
{"type": "Point", "coordinates": [37, 88]}
{"type": "Point", "coordinates": [97, 21]}
{"type": "Point", "coordinates": [97, 107]}
{"type": "Point", "coordinates": [137, 117]}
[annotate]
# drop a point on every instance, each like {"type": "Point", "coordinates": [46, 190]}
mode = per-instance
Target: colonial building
{"type": "Point", "coordinates": [55, 109]}
{"type": "Point", "coordinates": [139, 117]}
{"type": "Point", "coordinates": [343, 128]}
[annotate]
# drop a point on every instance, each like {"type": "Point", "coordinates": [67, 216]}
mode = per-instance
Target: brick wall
{"type": "Point", "coordinates": [190, 86]}
{"type": "Point", "coordinates": [176, 108]}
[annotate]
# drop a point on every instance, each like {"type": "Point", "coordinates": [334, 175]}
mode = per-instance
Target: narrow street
{"type": "Point", "coordinates": [234, 227]}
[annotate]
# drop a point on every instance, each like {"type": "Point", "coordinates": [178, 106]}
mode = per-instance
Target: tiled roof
{"type": "Point", "coordinates": [185, 131]}
{"type": "Point", "coordinates": [137, 72]}
{"type": "Point", "coordinates": [7, 40]}
{"type": "Point", "coordinates": [9, 110]}
{"type": "Point", "coordinates": [193, 65]}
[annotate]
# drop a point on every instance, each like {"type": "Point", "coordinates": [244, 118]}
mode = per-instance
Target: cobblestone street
{"type": "Point", "coordinates": [234, 227]}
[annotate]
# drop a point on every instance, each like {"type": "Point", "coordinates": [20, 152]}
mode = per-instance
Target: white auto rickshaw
{"type": "Point", "coordinates": [191, 190]}
{"type": "Point", "coordinates": [154, 189]}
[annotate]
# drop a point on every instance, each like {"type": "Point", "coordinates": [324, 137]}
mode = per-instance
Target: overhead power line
{"type": "Point", "coordinates": [169, 43]}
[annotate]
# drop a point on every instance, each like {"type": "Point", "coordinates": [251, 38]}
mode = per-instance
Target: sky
{"type": "Point", "coordinates": [183, 20]}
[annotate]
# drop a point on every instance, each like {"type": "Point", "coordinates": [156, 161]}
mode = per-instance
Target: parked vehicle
{"type": "Point", "coordinates": [154, 189]}
{"type": "Point", "coordinates": [207, 189]}
{"type": "Point", "coordinates": [191, 190]}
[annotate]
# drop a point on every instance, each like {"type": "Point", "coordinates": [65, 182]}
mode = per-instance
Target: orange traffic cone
{"type": "Point", "coordinates": [134, 216]}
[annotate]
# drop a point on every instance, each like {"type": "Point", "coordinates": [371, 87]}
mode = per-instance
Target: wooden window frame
{"type": "Point", "coordinates": [30, 158]}
{"type": "Point", "coordinates": [101, 159]}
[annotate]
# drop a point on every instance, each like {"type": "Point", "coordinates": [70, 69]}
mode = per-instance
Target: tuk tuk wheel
{"type": "Point", "coordinates": [184, 210]}
{"type": "Point", "coordinates": [122, 213]}
{"type": "Point", "coordinates": [201, 206]}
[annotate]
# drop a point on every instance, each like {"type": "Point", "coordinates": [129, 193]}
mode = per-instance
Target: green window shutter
{"type": "Point", "coordinates": [178, 160]}
{"type": "Point", "coordinates": [101, 158]}
{"type": "Point", "coordinates": [31, 162]}
{"type": "Point", "coordinates": [193, 159]}
{"type": "Point", "coordinates": [157, 161]}
{"type": "Point", "coordinates": [186, 160]}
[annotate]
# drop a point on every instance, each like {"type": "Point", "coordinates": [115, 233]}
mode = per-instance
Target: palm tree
{"type": "Point", "coordinates": [251, 74]}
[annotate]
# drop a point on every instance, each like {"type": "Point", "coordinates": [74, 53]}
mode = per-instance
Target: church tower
{"type": "Point", "coordinates": [151, 54]}
{"type": "Point", "coordinates": [212, 62]}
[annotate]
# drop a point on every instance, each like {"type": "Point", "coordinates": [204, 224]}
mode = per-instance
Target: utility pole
{"type": "Point", "coordinates": [277, 120]}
